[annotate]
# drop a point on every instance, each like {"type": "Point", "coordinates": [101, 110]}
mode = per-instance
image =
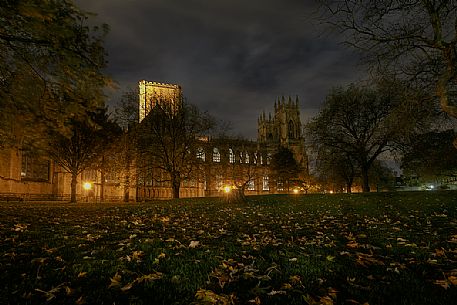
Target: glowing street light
{"type": "Point", "coordinates": [227, 189]}
{"type": "Point", "coordinates": [295, 191]}
{"type": "Point", "coordinates": [87, 186]}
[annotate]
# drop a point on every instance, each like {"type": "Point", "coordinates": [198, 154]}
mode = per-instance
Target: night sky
{"type": "Point", "coordinates": [232, 58]}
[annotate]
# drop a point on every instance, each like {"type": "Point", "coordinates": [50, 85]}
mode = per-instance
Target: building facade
{"type": "Point", "coordinates": [152, 93]}
{"type": "Point", "coordinates": [283, 128]}
{"type": "Point", "coordinates": [223, 162]}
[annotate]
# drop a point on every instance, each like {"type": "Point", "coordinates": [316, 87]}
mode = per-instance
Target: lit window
{"type": "Point", "coordinates": [231, 156]}
{"type": "Point", "coordinates": [246, 157]}
{"type": "Point", "coordinates": [241, 157]}
{"type": "Point", "coordinates": [219, 182]}
{"type": "Point", "coordinates": [201, 154]}
{"type": "Point", "coordinates": [291, 130]}
{"type": "Point", "coordinates": [255, 158]}
{"type": "Point", "coordinates": [216, 155]}
{"type": "Point", "coordinates": [250, 185]}
{"type": "Point", "coordinates": [268, 158]}
{"type": "Point", "coordinates": [265, 186]}
{"type": "Point", "coordinates": [280, 185]}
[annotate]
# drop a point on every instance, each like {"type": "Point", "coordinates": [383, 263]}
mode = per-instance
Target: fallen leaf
{"type": "Point", "coordinates": [194, 244]}
{"type": "Point", "coordinates": [115, 280]}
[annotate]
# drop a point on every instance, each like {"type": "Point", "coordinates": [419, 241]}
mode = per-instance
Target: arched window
{"type": "Point", "coordinates": [231, 156]}
{"type": "Point", "coordinates": [201, 153]}
{"type": "Point", "coordinates": [216, 155]}
{"type": "Point", "coordinates": [291, 130]}
{"type": "Point", "coordinates": [241, 157]}
{"type": "Point", "coordinates": [265, 184]}
{"type": "Point", "coordinates": [250, 186]}
{"type": "Point", "coordinates": [246, 158]}
{"type": "Point", "coordinates": [219, 182]}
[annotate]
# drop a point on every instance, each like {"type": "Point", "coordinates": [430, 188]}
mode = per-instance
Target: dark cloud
{"type": "Point", "coordinates": [232, 58]}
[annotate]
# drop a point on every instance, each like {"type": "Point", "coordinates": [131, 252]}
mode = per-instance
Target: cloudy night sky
{"type": "Point", "coordinates": [232, 58]}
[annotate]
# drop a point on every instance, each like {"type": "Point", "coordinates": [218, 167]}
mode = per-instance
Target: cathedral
{"type": "Point", "coordinates": [284, 128]}
{"type": "Point", "coordinates": [224, 161]}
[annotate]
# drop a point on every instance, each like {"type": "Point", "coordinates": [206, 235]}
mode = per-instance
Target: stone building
{"type": "Point", "coordinates": [152, 93]}
{"type": "Point", "coordinates": [284, 128]}
{"type": "Point", "coordinates": [223, 162]}
{"type": "Point", "coordinates": [37, 177]}
{"type": "Point", "coordinates": [227, 162]}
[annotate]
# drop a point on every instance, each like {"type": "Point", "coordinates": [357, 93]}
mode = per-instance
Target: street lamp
{"type": "Point", "coordinates": [227, 189]}
{"type": "Point", "coordinates": [87, 186]}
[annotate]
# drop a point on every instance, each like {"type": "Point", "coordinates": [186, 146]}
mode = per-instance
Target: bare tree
{"type": "Point", "coordinates": [242, 169]}
{"type": "Point", "coordinates": [83, 146]}
{"type": "Point", "coordinates": [363, 122]}
{"type": "Point", "coordinates": [168, 139]}
{"type": "Point", "coordinates": [412, 39]}
{"type": "Point", "coordinates": [127, 116]}
{"type": "Point", "coordinates": [336, 165]}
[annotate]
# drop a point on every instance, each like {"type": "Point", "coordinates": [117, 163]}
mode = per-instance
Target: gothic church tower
{"type": "Point", "coordinates": [152, 93]}
{"type": "Point", "coordinates": [284, 128]}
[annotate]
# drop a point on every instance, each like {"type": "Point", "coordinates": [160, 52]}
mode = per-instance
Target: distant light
{"type": "Point", "coordinates": [227, 189]}
{"type": "Point", "coordinates": [331, 192]}
{"type": "Point", "coordinates": [87, 186]}
{"type": "Point", "coordinates": [432, 187]}
{"type": "Point", "coordinates": [296, 191]}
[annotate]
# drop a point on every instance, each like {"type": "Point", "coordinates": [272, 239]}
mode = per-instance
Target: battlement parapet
{"type": "Point", "coordinates": [159, 84]}
{"type": "Point", "coordinates": [153, 93]}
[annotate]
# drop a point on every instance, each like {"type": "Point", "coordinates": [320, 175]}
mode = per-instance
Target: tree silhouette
{"type": "Point", "coordinates": [47, 52]}
{"type": "Point", "coordinates": [364, 122]}
{"type": "Point", "coordinates": [284, 166]}
{"type": "Point", "coordinates": [84, 145]}
{"type": "Point", "coordinates": [168, 139]}
{"type": "Point", "coordinates": [413, 40]}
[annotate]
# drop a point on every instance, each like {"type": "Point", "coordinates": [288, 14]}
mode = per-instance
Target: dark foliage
{"type": "Point", "coordinates": [47, 54]}
{"type": "Point", "coordinates": [431, 155]}
{"type": "Point", "coordinates": [85, 144]}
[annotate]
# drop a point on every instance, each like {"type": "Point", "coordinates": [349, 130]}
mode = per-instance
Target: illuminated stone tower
{"type": "Point", "coordinates": [152, 93]}
{"type": "Point", "coordinates": [284, 128]}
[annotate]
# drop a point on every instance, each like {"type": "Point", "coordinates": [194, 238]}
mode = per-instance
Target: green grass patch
{"type": "Point", "coordinates": [380, 248]}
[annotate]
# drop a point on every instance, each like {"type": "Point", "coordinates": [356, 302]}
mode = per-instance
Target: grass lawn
{"type": "Point", "coordinates": [386, 248]}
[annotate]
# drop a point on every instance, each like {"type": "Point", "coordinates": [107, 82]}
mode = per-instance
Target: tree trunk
{"type": "Point", "coordinates": [349, 187]}
{"type": "Point", "coordinates": [102, 181]}
{"type": "Point", "coordinates": [175, 183]}
{"type": "Point", "coordinates": [74, 182]}
{"type": "Point", "coordinates": [236, 196]}
{"type": "Point", "coordinates": [365, 182]}
{"type": "Point", "coordinates": [127, 172]}
{"type": "Point", "coordinates": [127, 189]}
